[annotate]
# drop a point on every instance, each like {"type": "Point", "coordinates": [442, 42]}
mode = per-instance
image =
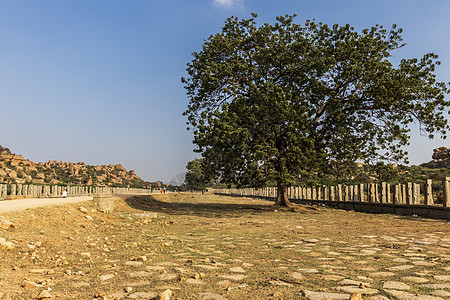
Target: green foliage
{"type": "Point", "coordinates": [287, 102]}
{"type": "Point", "coordinates": [196, 175]}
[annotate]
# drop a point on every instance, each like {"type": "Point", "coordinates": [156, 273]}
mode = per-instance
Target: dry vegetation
{"type": "Point", "coordinates": [196, 241]}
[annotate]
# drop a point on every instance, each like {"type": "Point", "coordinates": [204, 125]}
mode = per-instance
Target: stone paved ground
{"type": "Point", "coordinates": [211, 247]}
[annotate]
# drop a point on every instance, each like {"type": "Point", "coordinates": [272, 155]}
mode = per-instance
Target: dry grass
{"type": "Point", "coordinates": [203, 236]}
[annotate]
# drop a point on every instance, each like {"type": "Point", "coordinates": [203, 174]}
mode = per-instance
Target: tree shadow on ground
{"type": "Point", "coordinates": [205, 209]}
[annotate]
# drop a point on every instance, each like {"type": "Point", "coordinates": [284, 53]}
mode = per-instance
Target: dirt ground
{"type": "Point", "coordinates": [216, 247]}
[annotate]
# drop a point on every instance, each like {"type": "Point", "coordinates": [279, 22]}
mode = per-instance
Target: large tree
{"type": "Point", "coordinates": [272, 103]}
{"type": "Point", "coordinates": [195, 176]}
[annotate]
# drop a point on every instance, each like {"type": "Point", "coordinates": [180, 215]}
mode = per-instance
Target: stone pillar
{"type": "Point", "coordinates": [346, 193]}
{"type": "Point", "coordinates": [403, 193]}
{"type": "Point", "coordinates": [19, 189]}
{"type": "Point", "coordinates": [409, 194]}
{"type": "Point", "coordinates": [383, 192]}
{"type": "Point", "coordinates": [332, 193]}
{"type": "Point", "coordinates": [416, 193]}
{"type": "Point", "coordinates": [339, 192]}
{"type": "Point", "coordinates": [377, 193]}
{"type": "Point", "coordinates": [397, 194]}
{"type": "Point", "coordinates": [351, 193]}
{"type": "Point", "coordinates": [371, 193]}
{"type": "Point", "coordinates": [388, 193]}
{"type": "Point", "coordinates": [355, 197]}
{"type": "Point", "coordinates": [429, 192]}
{"type": "Point", "coordinates": [446, 187]}
{"type": "Point", "coordinates": [325, 193]}
{"type": "Point", "coordinates": [13, 189]}
{"type": "Point", "coordinates": [361, 192]}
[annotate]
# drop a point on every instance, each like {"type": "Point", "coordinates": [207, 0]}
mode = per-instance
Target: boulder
{"type": "Point", "coordinates": [441, 153]}
{"type": "Point", "coordinates": [5, 224]}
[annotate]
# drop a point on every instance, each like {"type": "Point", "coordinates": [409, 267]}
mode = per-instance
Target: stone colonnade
{"type": "Point", "coordinates": [57, 190]}
{"type": "Point", "coordinates": [406, 194]}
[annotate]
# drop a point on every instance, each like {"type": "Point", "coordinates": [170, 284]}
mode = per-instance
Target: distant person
{"type": "Point", "coordinates": [164, 189]}
{"type": "Point", "coordinates": [161, 190]}
{"type": "Point", "coordinates": [64, 193]}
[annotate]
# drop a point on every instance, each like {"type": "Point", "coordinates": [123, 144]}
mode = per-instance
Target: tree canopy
{"type": "Point", "coordinates": [276, 102]}
{"type": "Point", "coordinates": [195, 176]}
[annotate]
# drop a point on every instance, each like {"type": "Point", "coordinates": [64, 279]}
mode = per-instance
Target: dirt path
{"type": "Point", "coordinates": [21, 204]}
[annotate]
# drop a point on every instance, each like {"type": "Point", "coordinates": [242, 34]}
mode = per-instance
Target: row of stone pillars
{"type": "Point", "coordinates": [57, 190]}
{"type": "Point", "coordinates": [408, 194]}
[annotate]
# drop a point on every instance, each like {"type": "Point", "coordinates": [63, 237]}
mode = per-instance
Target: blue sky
{"type": "Point", "coordinates": [99, 80]}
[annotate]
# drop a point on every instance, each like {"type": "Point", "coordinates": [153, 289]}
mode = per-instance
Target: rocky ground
{"type": "Point", "coordinates": [193, 246]}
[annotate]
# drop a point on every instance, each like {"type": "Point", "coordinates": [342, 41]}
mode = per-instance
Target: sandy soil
{"type": "Point", "coordinates": [21, 204]}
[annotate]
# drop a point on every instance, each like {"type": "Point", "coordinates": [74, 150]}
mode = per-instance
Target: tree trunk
{"type": "Point", "coordinates": [282, 197]}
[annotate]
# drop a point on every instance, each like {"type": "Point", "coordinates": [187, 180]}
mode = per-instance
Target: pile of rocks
{"type": "Point", "coordinates": [441, 153]}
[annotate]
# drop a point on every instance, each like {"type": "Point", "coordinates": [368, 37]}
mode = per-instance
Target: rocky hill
{"type": "Point", "coordinates": [16, 169]}
{"type": "Point", "coordinates": [441, 159]}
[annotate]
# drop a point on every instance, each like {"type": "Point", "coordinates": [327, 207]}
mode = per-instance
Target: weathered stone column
{"type": "Point", "coordinates": [352, 191]}
{"type": "Point", "coordinates": [409, 194]}
{"type": "Point", "coordinates": [339, 192]}
{"type": "Point", "coordinates": [429, 192]}
{"type": "Point", "coordinates": [377, 193]}
{"type": "Point", "coordinates": [383, 192]}
{"type": "Point", "coordinates": [416, 193]}
{"type": "Point", "coordinates": [13, 189]}
{"type": "Point", "coordinates": [446, 187]}
{"type": "Point", "coordinates": [332, 193]}
{"type": "Point", "coordinates": [403, 193]}
{"type": "Point", "coordinates": [371, 193]}
{"type": "Point", "coordinates": [361, 192]}
{"type": "Point", "coordinates": [326, 193]}
{"type": "Point", "coordinates": [397, 194]}
{"type": "Point", "coordinates": [388, 193]}
{"type": "Point", "coordinates": [355, 196]}
{"type": "Point", "coordinates": [346, 193]}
